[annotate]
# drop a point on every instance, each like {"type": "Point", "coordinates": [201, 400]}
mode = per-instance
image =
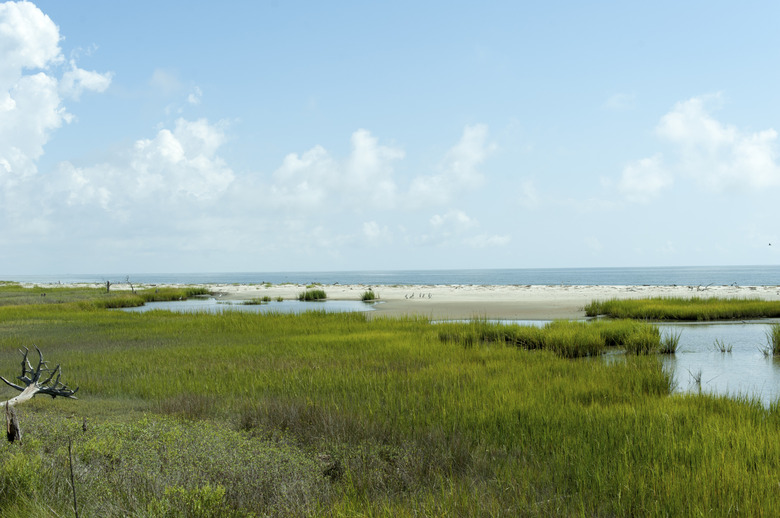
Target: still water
{"type": "Point", "coordinates": [746, 371]}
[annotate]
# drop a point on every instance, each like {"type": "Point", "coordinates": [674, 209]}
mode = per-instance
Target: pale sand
{"type": "Point", "coordinates": [494, 302]}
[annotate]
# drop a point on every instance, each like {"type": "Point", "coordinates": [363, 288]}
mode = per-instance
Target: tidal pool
{"type": "Point", "coordinates": [212, 305]}
{"type": "Point", "coordinates": [745, 371]}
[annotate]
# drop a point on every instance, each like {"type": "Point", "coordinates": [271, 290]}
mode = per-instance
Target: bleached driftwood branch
{"type": "Point", "coordinates": [33, 384]}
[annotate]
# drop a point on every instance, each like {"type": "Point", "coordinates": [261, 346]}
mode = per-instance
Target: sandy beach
{"type": "Point", "coordinates": [531, 302]}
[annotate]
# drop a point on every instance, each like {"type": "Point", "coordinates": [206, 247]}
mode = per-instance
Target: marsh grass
{"type": "Point", "coordinates": [670, 342]}
{"type": "Point", "coordinates": [333, 414]}
{"type": "Point", "coordinates": [368, 296]}
{"type": "Point", "coordinates": [723, 347]}
{"type": "Point", "coordinates": [693, 309]}
{"type": "Point", "coordinates": [256, 301]}
{"type": "Point", "coordinates": [312, 294]}
{"type": "Point", "coordinates": [566, 338]}
{"type": "Point", "coordinates": [773, 339]}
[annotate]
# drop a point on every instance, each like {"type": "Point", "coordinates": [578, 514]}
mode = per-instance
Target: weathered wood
{"type": "Point", "coordinates": [31, 378]}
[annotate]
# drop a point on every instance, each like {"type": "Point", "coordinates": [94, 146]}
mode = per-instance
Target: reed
{"type": "Point", "coordinates": [312, 294]}
{"type": "Point", "coordinates": [694, 309]}
{"type": "Point", "coordinates": [723, 347]}
{"type": "Point", "coordinates": [670, 342]}
{"type": "Point", "coordinates": [256, 301]}
{"type": "Point", "coordinates": [773, 339]}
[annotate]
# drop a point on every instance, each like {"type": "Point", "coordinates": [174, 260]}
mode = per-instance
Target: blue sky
{"type": "Point", "coordinates": [282, 136]}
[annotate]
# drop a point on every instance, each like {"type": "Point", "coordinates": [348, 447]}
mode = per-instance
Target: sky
{"type": "Point", "coordinates": [264, 136]}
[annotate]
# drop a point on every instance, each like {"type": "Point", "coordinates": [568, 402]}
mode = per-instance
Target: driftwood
{"type": "Point", "coordinates": [41, 380]}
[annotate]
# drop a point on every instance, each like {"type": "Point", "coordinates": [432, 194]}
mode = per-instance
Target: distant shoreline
{"type": "Point", "coordinates": [453, 301]}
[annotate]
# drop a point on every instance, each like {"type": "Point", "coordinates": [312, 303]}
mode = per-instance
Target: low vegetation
{"type": "Point", "coordinates": [368, 296]}
{"type": "Point", "coordinates": [676, 308]}
{"type": "Point", "coordinates": [773, 339]}
{"type": "Point", "coordinates": [333, 414]}
{"type": "Point", "coordinates": [256, 301]}
{"type": "Point", "coordinates": [312, 294]}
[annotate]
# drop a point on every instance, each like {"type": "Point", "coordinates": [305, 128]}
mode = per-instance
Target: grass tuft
{"type": "Point", "coordinates": [312, 294]}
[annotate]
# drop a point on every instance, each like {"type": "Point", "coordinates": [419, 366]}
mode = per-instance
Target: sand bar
{"type": "Point", "coordinates": [531, 302]}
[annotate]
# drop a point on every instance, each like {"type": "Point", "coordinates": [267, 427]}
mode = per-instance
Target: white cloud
{"type": "Point", "coordinates": [179, 165]}
{"type": "Point", "coordinates": [714, 154]}
{"type": "Point", "coordinates": [454, 221]}
{"type": "Point", "coordinates": [644, 179]}
{"type": "Point", "coordinates": [314, 180]}
{"type": "Point", "coordinates": [30, 94]}
{"type": "Point", "coordinates": [717, 154]}
{"type": "Point", "coordinates": [459, 170]}
{"type": "Point", "coordinates": [195, 96]}
{"type": "Point", "coordinates": [76, 80]}
{"type": "Point", "coordinates": [376, 234]}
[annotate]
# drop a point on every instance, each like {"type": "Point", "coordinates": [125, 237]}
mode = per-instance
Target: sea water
{"type": "Point", "coordinates": [767, 275]}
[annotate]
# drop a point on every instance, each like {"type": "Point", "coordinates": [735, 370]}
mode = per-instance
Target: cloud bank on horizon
{"type": "Point", "coordinates": [140, 162]}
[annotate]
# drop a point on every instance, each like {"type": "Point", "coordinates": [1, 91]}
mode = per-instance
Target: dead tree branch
{"type": "Point", "coordinates": [40, 380]}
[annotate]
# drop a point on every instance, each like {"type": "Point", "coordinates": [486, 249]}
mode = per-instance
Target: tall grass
{"type": "Point", "coordinates": [336, 415]}
{"type": "Point", "coordinates": [312, 294]}
{"type": "Point", "coordinates": [565, 338]}
{"type": "Point", "coordinates": [773, 339]}
{"type": "Point", "coordinates": [670, 342]}
{"type": "Point", "coordinates": [676, 308]}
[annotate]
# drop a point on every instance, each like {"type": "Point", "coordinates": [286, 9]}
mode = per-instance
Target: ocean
{"type": "Point", "coordinates": [651, 276]}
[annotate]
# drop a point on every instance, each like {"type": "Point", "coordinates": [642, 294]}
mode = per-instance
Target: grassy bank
{"type": "Point", "coordinates": [334, 415]}
{"type": "Point", "coordinates": [693, 309]}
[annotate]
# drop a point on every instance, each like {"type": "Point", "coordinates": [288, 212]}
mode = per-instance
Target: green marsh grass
{"type": "Point", "coordinates": [694, 309]}
{"type": "Point", "coordinates": [566, 338]}
{"type": "Point", "coordinates": [256, 301]}
{"type": "Point", "coordinates": [670, 342]}
{"type": "Point", "coordinates": [312, 294]}
{"type": "Point", "coordinates": [723, 347]}
{"type": "Point", "coordinates": [319, 414]}
{"type": "Point", "coordinates": [368, 296]}
{"type": "Point", "coordinates": [773, 339]}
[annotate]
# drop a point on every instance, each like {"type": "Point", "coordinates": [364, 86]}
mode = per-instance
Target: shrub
{"type": "Point", "coordinates": [368, 296]}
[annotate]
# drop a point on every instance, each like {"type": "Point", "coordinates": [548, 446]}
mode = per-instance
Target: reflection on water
{"type": "Point", "coordinates": [745, 371]}
{"type": "Point", "coordinates": [212, 305]}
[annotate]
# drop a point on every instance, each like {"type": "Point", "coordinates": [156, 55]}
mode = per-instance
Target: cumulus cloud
{"type": "Point", "coordinates": [313, 180]}
{"type": "Point", "coordinates": [459, 170]}
{"type": "Point", "coordinates": [30, 92]}
{"type": "Point", "coordinates": [717, 154]}
{"type": "Point", "coordinates": [179, 165]}
{"type": "Point", "coordinates": [714, 154]}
